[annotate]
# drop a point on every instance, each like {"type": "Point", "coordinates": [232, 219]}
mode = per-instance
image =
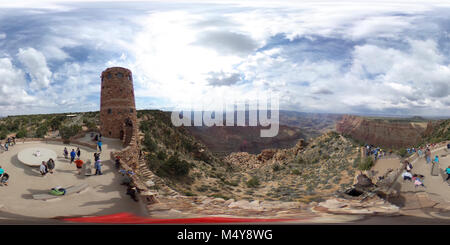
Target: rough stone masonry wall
{"type": "Point", "coordinates": [117, 102]}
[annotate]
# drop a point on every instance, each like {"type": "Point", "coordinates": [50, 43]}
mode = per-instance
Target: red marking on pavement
{"type": "Point", "coordinates": [127, 218]}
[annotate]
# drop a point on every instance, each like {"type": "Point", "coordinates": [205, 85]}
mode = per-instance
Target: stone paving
{"type": "Point", "coordinates": [105, 195]}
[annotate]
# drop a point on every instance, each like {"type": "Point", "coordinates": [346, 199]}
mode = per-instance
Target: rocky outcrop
{"type": "Point", "coordinates": [381, 132]}
{"type": "Point", "coordinates": [372, 206]}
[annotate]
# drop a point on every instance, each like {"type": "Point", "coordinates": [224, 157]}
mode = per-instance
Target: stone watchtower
{"type": "Point", "coordinates": [118, 118]}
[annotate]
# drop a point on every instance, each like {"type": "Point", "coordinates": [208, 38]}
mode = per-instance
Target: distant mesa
{"type": "Point", "coordinates": [385, 133]}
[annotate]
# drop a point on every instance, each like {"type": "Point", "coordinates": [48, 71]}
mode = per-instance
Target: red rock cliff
{"type": "Point", "coordinates": [379, 132]}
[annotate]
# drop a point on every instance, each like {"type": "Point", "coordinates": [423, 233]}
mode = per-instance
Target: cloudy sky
{"type": "Point", "coordinates": [317, 56]}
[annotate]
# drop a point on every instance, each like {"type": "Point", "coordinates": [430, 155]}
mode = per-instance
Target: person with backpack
{"type": "Point", "coordinates": [98, 167]}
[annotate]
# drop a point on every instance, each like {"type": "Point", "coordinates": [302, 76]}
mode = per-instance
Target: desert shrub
{"type": "Point", "coordinates": [67, 132]}
{"type": "Point", "coordinates": [148, 143]}
{"type": "Point", "coordinates": [253, 182]}
{"type": "Point", "coordinates": [22, 133]}
{"type": "Point", "coordinates": [161, 155]}
{"type": "Point", "coordinates": [366, 164]}
{"type": "Point", "coordinates": [41, 131]}
{"type": "Point", "coordinates": [90, 124]}
{"type": "Point", "coordinates": [402, 152]}
{"type": "Point", "coordinates": [296, 172]}
{"type": "Point", "coordinates": [56, 122]}
{"type": "Point", "coordinates": [188, 193]}
{"type": "Point", "coordinates": [218, 195]}
{"type": "Point", "coordinates": [3, 134]}
{"type": "Point", "coordinates": [232, 183]}
{"type": "Point", "coordinates": [144, 126]}
{"type": "Point", "coordinates": [276, 167]}
{"type": "Point", "coordinates": [202, 188]}
{"type": "Point", "coordinates": [175, 167]}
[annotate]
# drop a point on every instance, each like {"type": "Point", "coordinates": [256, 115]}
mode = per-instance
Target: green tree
{"type": "Point", "coordinates": [67, 132]}
{"type": "Point", "coordinates": [22, 133]}
{"type": "Point", "coordinates": [41, 131]}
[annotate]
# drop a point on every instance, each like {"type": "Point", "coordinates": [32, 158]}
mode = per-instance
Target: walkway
{"type": "Point", "coordinates": [434, 185]}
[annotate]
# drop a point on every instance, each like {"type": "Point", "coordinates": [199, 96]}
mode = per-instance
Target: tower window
{"type": "Point", "coordinates": [109, 76]}
{"type": "Point", "coordinates": [119, 75]}
{"type": "Point", "coordinates": [109, 111]}
{"type": "Point", "coordinates": [109, 132]}
{"type": "Point", "coordinates": [129, 77]}
{"type": "Point", "coordinates": [131, 110]}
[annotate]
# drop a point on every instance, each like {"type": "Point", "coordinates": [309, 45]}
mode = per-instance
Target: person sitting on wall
{"type": "Point", "coordinates": [408, 166]}
{"type": "Point", "coordinates": [132, 191]}
{"type": "Point", "coordinates": [117, 162]}
{"type": "Point", "coordinates": [417, 180]}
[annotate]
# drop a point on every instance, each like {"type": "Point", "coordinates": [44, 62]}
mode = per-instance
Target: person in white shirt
{"type": "Point", "coordinates": [407, 175]}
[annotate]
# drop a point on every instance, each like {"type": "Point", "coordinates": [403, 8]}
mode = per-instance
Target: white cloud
{"type": "Point", "coordinates": [36, 66]}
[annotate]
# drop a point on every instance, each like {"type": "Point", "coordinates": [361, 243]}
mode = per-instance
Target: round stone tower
{"type": "Point", "coordinates": [118, 118]}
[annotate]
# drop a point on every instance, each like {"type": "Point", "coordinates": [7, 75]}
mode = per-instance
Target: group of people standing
{"type": "Point", "coordinates": [376, 152]}
{"type": "Point", "coordinates": [10, 141]}
{"type": "Point", "coordinates": [47, 167]}
{"type": "Point", "coordinates": [98, 139]}
{"type": "Point", "coordinates": [75, 158]}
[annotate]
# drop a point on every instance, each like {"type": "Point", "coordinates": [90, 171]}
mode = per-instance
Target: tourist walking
{"type": "Point", "coordinates": [43, 168]}
{"type": "Point", "coordinates": [72, 156]}
{"type": "Point", "coordinates": [51, 165]}
{"type": "Point", "coordinates": [79, 164]}
{"type": "Point", "coordinates": [100, 145]}
{"type": "Point", "coordinates": [66, 153]}
{"type": "Point", "coordinates": [78, 152]}
{"type": "Point", "coordinates": [98, 167]}
{"type": "Point", "coordinates": [428, 155]}
{"type": "Point", "coordinates": [6, 146]}
{"type": "Point", "coordinates": [436, 159]}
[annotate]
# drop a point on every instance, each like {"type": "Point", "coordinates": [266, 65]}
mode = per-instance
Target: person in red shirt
{"type": "Point", "coordinates": [79, 163]}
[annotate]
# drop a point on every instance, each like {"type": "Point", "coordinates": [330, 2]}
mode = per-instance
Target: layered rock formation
{"type": "Point", "coordinates": [380, 132]}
